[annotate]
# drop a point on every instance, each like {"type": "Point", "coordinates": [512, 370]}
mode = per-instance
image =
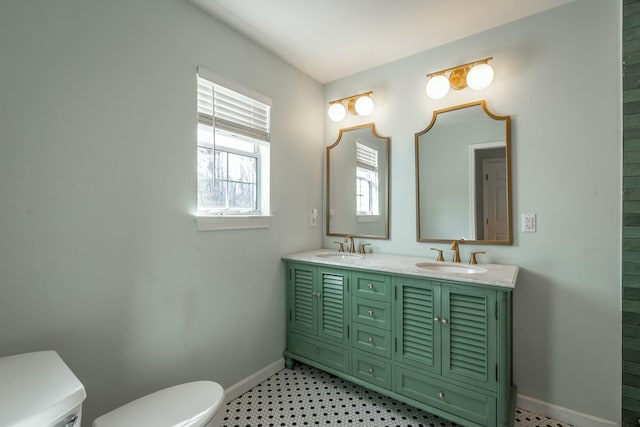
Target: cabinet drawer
{"type": "Point", "coordinates": [372, 313]}
{"type": "Point", "coordinates": [329, 355]}
{"type": "Point", "coordinates": [372, 370]}
{"type": "Point", "coordinates": [472, 405]}
{"type": "Point", "coordinates": [374, 340]}
{"type": "Point", "coordinates": [372, 286]}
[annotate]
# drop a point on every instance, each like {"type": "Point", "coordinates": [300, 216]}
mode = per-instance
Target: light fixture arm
{"type": "Point", "coordinates": [469, 64]}
{"type": "Point", "coordinates": [476, 75]}
{"type": "Point", "coordinates": [358, 105]}
{"type": "Point", "coordinates": [351, 97]}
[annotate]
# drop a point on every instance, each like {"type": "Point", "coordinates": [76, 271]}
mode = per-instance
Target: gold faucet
{"type": "Point", "coordinates": [352, 246]}
{"type": "Point", "coordinates": [473, 259]}
{"type": "Point", "coordinates": [440, 257]}
{"type": "Point", "coordinates": [455, 248]}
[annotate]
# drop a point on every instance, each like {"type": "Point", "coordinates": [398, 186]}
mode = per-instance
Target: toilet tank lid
{"type": "Point", "coordinates": [36, 389]}
{"type": "Point", "coordinates": [184, 405]}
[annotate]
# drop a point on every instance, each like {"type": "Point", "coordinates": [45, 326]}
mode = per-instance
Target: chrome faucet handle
{"type": "Point", "coordinates": [341, 248]}
{"type": "Point", "coordinates": [440, 257]}
{"type": "Point", "coordinates": [473, 257]}
{"type": "Point", "coordinates": [362, 247]}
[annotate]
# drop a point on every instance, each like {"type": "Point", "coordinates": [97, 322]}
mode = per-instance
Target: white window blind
{"type": "Point", "coordinates": [205, 102]}
{"type": "Point", "coordinates": [366, 157]}
{"type": "Point", "coordinates": [231, 111]}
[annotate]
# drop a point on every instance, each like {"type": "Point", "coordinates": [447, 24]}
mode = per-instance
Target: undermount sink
{"type": "Point", "coordinates": [338, 255]}
{"type": "Point", "coordinates": [437, 267]}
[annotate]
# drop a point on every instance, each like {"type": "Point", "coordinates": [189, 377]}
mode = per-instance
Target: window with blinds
{"type": "Point", "coordinates": [366, 180]}
{"type": "Point", "coordinates": [233, 149]}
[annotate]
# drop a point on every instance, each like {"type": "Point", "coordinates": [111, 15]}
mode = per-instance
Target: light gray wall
{"type": "Point", "coordinates": [444, 185]}
{"type": "Point", "coordinates": [100, 258]}
{"type": "Point", "coordinates": [558, 75]}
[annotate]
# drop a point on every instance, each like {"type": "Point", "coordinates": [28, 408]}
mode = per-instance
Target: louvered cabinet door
{"type": "Point", "coordinates": [332, 315]}
{"type": "Point", "coordinates": [417, 332]}
{"type": "Point", "coordinates": [302, 298]}
{"type": "Point", "coordinates": [469, 335]}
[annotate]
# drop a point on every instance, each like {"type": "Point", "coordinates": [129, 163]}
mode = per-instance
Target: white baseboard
{"type": "Point", "coordinates": [243, 386]}
{"type": "Point", "coordinates": [562, 414]}
{"type": "Point", "coordinates": [253, 380]}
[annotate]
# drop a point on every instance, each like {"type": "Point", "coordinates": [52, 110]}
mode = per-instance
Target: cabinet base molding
{"type": "Point", "coordinates": [400, 398]}
{"type": "Point", "coordinates": [561, 414]}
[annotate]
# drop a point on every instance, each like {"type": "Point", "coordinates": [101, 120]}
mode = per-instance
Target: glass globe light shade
{"type": "Point", "coordinates": [437, 86]}
{"type": "Point", "coordinates": [480, 76]}
{"type": "Point", "coordinates": [337, 112]}
{"type": "Point", "coordinates": [364, 105]}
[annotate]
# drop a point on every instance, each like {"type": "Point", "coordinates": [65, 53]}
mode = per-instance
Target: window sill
{"type": "Point", "coordinates": [368, 218]}
{"type": "Point", "coordinates": [232, 222]}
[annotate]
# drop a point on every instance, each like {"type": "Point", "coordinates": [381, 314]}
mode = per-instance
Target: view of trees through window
{"type": "Point", "coordinates": [227, 179]}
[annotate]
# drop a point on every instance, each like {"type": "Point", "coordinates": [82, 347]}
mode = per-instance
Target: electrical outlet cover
{"type": "Point", "coordinates": [529, 223]}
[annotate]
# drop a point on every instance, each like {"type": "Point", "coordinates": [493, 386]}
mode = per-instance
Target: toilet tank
{"type": "Point", "coordinates": [39, 390]}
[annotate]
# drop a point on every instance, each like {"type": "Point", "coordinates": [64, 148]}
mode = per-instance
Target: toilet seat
{"type": "Point", "coordinates": [184, 405]}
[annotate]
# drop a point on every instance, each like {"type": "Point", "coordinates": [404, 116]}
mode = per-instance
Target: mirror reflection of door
{"type": "Point", "coordinates": [496, 224]}
{"type": "Point", "coordinates": [488, 189]}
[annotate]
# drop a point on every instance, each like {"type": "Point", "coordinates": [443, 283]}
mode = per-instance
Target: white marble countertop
{"type": "Point", "coordinates": [486, 274]}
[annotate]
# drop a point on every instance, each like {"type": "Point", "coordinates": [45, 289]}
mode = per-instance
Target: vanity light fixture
{"type": "Point", "coordinates": [476, 75]}
{"type": "Point", "coordinates": [358, 105]}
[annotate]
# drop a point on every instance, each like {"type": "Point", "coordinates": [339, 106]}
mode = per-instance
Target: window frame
{"type": "Point", "coordinates": [223, 219]}
{"type": "Point", "coordinates": [367, 172]}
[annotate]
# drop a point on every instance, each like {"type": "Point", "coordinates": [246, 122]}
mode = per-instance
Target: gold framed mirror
{"type": "Point", "coordinates": [463, 177]}
{"type": "Point", "coordinates": [357, 186]}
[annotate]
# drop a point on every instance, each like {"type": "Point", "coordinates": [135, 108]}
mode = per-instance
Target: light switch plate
{"type": "Point", "coordinates": [529, 223]}
{"type": "Point", "coordinates": [314, 217]}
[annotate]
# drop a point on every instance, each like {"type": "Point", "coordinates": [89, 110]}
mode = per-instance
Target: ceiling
{"type": "Point", "coordinates": [331, 39]}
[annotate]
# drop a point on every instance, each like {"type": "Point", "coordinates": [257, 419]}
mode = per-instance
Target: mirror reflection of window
{"type": "Point", "coordinates": [367, 200]}
{"type": "Point", "coordinates": [357, 184]}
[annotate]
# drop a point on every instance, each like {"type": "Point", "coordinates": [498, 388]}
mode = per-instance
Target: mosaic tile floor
{"type": "Point", "coordinates": [305, 396]}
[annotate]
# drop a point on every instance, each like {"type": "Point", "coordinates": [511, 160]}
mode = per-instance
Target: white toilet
{"type": "Point", "coordinates": [39, 390]}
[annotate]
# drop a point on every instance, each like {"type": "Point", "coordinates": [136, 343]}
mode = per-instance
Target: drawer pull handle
{"type": "Point", "coordinates": [370, 313]}
{"type": "Point", "coordinates": [444, 321]}
{"type": "Point", "coordinates": [436, 319]}
{"type": "Point", "coordinates": [371, 340]}
{"type": "Point", "coordinates": [317, 351]}
{"type": "Point", "coordinates": [370, 370]}
{"type": "Point", "coordinates": [370, 286]}
{"type": "Point", "coordinates": [441, 395]}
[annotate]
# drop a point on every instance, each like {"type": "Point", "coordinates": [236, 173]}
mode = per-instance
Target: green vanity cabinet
{"type": "Point", "coordinates": [417, 333]}
{"type": "Point", "coordinates": [371, 333]}
{"type": "Point", "coordinates": [446, 346]}
{"type": "Point", "coordinates": [442, 346]}
{"type": "Point", "coordinates": [447, 329]}
{"type": "Point", "coordinates": [318, 315]}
